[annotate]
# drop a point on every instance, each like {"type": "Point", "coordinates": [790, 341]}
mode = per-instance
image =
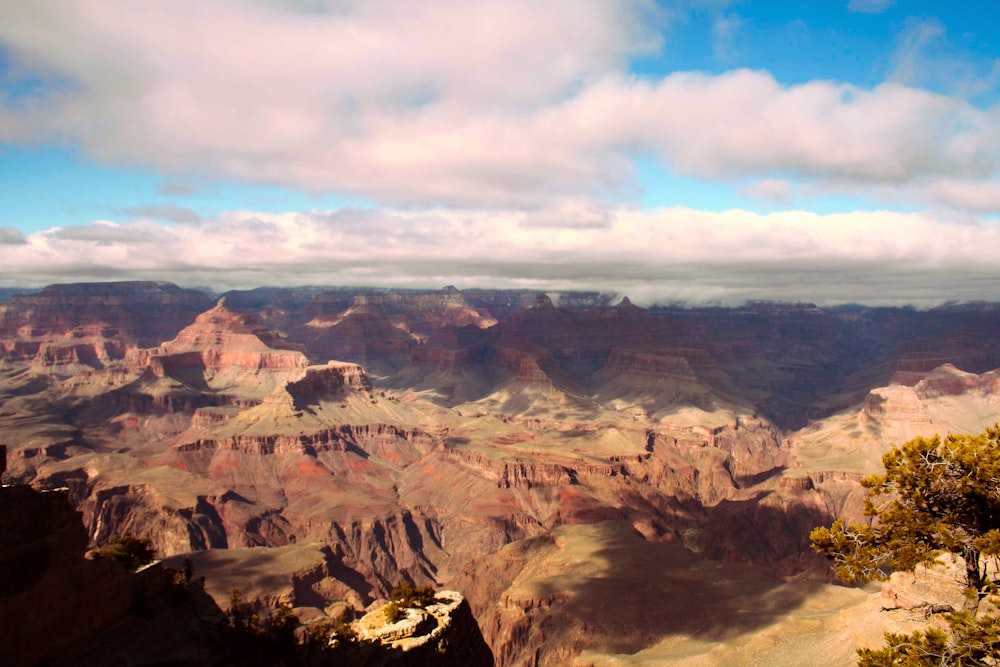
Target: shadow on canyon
{"type": "Point", "coordinates": [614, 592]}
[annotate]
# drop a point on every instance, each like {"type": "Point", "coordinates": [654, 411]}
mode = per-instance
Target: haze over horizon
{"type": "Point", "coordinates": [702, 151]}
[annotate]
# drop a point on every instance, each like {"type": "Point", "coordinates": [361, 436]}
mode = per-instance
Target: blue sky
{"type": "Point", "coordinates": [824, 151]}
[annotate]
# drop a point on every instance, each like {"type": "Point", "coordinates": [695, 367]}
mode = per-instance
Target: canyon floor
{"type": "Point", "coordinates": [605, 484]}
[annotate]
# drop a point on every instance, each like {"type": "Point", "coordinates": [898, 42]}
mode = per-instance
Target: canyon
{"type": "Point", "coordinates": [603, 483]}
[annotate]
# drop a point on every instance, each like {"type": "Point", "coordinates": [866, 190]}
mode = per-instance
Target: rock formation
{"type": "Point", "coordinates": [441, 633]}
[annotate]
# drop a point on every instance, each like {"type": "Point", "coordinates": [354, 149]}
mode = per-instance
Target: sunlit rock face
{"type": "Point", "coordinates": [896, 403]}
{"type": "Point", "coordinates": [500, 442]}
{"type": "Point", "coordinates": [223, 338]}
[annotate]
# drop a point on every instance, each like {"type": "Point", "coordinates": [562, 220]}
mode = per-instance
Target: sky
{"type": "Point", "coordinates": [707, 151]}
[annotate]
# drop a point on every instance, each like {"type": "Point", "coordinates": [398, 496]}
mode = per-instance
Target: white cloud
{"type": "Point", "coordinates": [662, 255]}
{"type": "Point", "coordinates": [479, 103]}
{"type": "Point", "coordinates": [744, 122]}
{"type": "Point", "coordinates": [367, 97]}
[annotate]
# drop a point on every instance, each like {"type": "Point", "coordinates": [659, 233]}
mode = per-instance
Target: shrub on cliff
{"type": "Point", "coordinates": [392, 613]}
{"type": "Point", "coordinates": [282, 624]}
{"type": "Point", "coordinates": [131, 551]}
{"type": "Point", "coordinates": [405, 595]}
{"type": "Point", "coordinates": [344, 631]}
{"type": "Point", "coordinates": [935, 496]}
{"type": "Point", "coordinates": [320, 634]}
{"type": "Point", "coordinates": [972, 642]}
{"type": "Point", "coordinates": [242, 617]}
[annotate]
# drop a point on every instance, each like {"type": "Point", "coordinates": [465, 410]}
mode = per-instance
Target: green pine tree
{"type": "Point", "coordinates": [936, 496]}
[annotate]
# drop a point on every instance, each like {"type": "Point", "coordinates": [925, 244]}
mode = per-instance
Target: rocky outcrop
{"type": "Point", "coordinates": [56, 606]}
{"type": "Point", "coordinates": [531, 474]}
{"type": "Point", "coordinates": [222, 338]}
{"type": "Point", "coordinates": [442, 633]}
{"type": "Point", "coordinates": [174, 527]}
{"type": "Point", "coordinates": [711, 464]}
{"type": "Point", "coordinates": [257, 445]}
{"type": "Point", "coordinates": [894, 404]}
{"type": "Point", "coordinates": [938, 584]}
{"type": "Point", "coordinates": [509, 474]}
{"type": "Point", "coordinates": [366, 439]}
{"type": "Point", "coordinates": [333, 380]}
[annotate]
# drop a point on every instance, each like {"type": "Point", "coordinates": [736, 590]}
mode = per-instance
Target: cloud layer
{"type": "Point", "coordinates": [479, 103]}
{"type": "Point", "coordinates": [655, 256]}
